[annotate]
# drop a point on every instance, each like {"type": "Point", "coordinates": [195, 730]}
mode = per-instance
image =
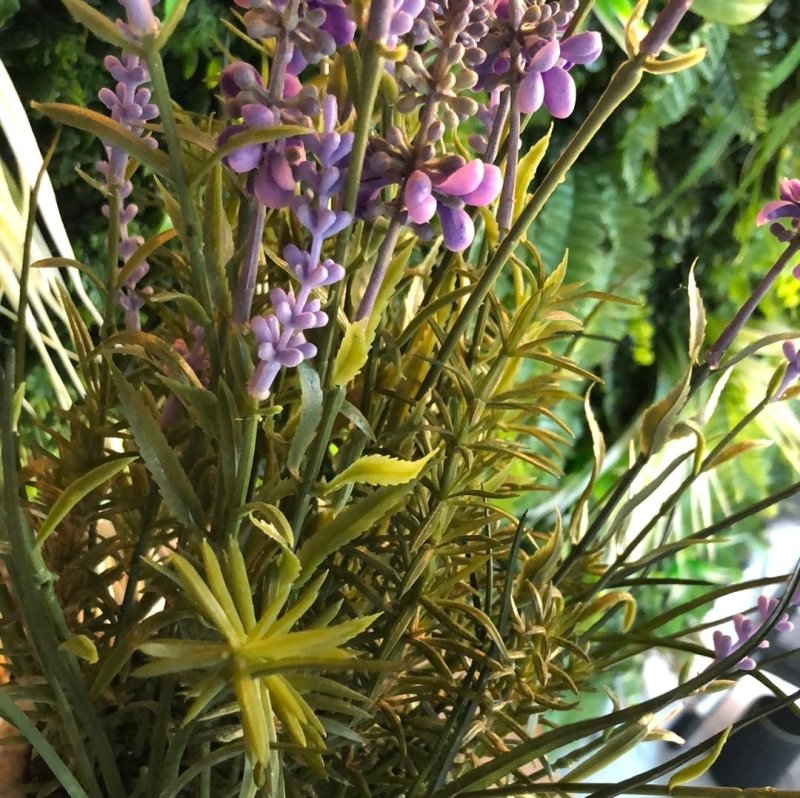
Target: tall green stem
{"type": "Point", "coordinates": [624, 81]}
{"type": "Point", "coordinates": [190, 225]}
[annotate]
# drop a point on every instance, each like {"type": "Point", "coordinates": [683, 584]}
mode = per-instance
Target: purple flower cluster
{"type": "Point", "coordinates": [428, 192]}
{"type": "Point", "coordinates": [533, 49]}
{"type": "Point", "coordinates": [787, 207]}
{"type": "Point", "coordinates": [458, 51]}
{"type": "Point", "coordinates": [270, 166]}
{"type": "Point", "coordinates": [430, 186]}
{"type": "Point", "coordinates": [130, 106]}
{"type": "Point", "coordinates": [313, 29]}
{"type": "Point", "coordinates": [745, 628]}
{"type": "Point", "coordinates": [319, 177]}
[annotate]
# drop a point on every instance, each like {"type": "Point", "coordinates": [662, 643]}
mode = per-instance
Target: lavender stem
{"type": "Point", "coordinates": [379, 270]}
{"type": "Point", "coordinates": [721, 345]}
{"type": "Point", "coordinates": [665, 25]}
{"type": "Point", "coordinates": [246, 285]}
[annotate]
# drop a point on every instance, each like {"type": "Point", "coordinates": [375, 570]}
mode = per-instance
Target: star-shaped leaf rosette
{"type": "Point", "coordinates": [273, 669]}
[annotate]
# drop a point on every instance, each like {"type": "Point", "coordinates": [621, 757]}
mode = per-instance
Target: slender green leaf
{"type": "Point", "coordinates": [310, 417]}
{"type": "Point", "coordinates": [159, 457]}
{"type": "Point", "coordinates": [76, 491]}
{"type": "Point", "coordinates": [379, 469]}
{"type": "Point", "coordinates": [106, 130]}
{"type": "Point", "coordinates": [25, 726]}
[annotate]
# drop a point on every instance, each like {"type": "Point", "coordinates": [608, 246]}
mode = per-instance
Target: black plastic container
{"type": "Point", "coordinates": [766, 753]}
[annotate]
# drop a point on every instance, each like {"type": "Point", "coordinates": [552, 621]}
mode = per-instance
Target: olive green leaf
{"type": "Point", "coordinates": [106, 130]}
{"type": "Point", "coordinates": [379, 469]}
{"type": "Point", "coordinates": [352, 354]}
{"type": "Point", "coordinates": [100, 25]}
{"type": "Point", "coordinates": [697, 769]}
{"type": "Point", "coordinates": [76, 491]}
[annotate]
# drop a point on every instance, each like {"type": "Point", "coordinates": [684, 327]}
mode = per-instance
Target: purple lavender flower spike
{"type": "Point", "coordinates": [310, 274]}
{"type": "Point", "coordinates": [280, 336]}
{"type": "Point", "coordinates": [291, 313]}
{"type": "Point", "coordinates": [276, 347]}
{"type": "Point", "coordinates": [130, 106]}
{"type": "Point", "coordinates": [766, 606]}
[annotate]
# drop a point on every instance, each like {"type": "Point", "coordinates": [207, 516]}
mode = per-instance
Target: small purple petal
{"type": "Point", "coordinates": [489, 188]}
{"type": "Point", "coordinates": [267, 191]}
{"type": "Point", "coordinates": [245, 159]}
{"type": "Point", "coordinates": [722, 644]}
{"type": "Point", "coordinates": [238, 76]}
{"type": "Point", "coordinates": [464, 180]}
{"type": "Point", "coordinates": [546, 57]}
{"type": "Point", "coordinates": [420, 203]}
{"type": "Point", "coordinates": [778, 209]}
{"type": "Point", "coordinates": [790, 189]}
{"type": "Point", "coordinates": [256, 115]}
{"type": "Point", "coordinates": [457, 228]}
{"type": "Point", "coordinates": [530, 93]}
{"type": "Point", "coordinates": [281, 171]}
{"type": "Point", "coordinates": [559, 92]}
{"type": "Point", "coordinates": [583, 48]}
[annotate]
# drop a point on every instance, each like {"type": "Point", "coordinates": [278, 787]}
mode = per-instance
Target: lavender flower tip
{"type": "Point", "coordinates": [141, 20]}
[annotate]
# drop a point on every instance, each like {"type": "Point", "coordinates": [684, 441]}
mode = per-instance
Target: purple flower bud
{"type": "Point", "coordinates": [291, 314]}
{"type": "Point", "coordinates": [274, 182]}
{"type": "Point", "coordinates": [530, 93]}
{"type": "Point", "coordinates": [546, 57]}
{"type": "Point", "coordinates": [457, 228]}
{"type": "Point", "coordinates": [246, 158]}
{"type": "Point", "coordinates": [237, 77]}
{"type": "Point", "coordinates": [488, 189]}
{"type": "Point", "coordinates": [723, 645]}
{"type": "Point", "coordinates": [420, 203]}
{"type": "Point", "coordinates": [788, 206]}
{"type": "Point", "coordinates": [464, 180]}
{"type": "Point", "coordinates": [309, 275]}
{"type": "Point", "coordinates": [140, 17]}
{"type": "Point", "coordinates": [559, 92]}
{"type": "Point", "coordinates": [582, 48]}
{"type": "Point", "coordinates": [792, 355]}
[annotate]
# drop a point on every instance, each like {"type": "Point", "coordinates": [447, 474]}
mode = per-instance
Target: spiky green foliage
{"type": "Point", "coordinates": [369, 617]}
